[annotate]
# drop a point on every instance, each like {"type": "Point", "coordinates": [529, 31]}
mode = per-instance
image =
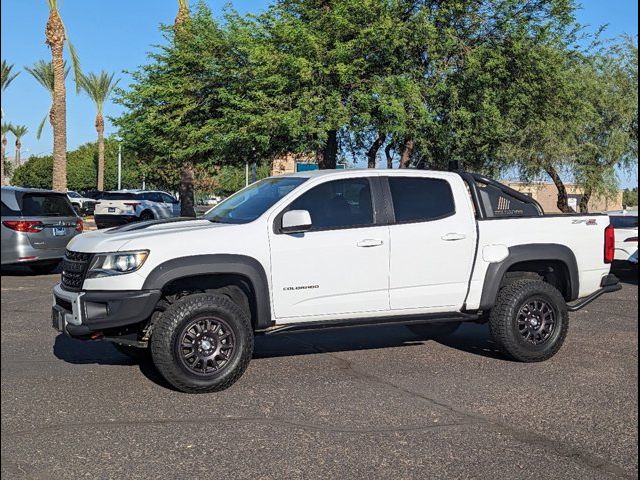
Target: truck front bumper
{"type": "Point", "coordinates": [83, 313]}
{"type": "Point", "coordinates": [609, 284]}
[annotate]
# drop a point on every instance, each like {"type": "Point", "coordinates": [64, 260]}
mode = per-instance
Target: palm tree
{"type": "Point", "coordinates": [98, 88]}
{"type": "Point", "coordinates": [7, 78]}
{"type": "Point", "coordinates": [43, 72]}
{"type": "Point", "coordinates": [18, 131]}
{"type": "Point", "coordinates": [183, 13]}
{"type": "Point", "coordinates": [56, 37]}
{"type": "Point", "coordinates": [6, 128]}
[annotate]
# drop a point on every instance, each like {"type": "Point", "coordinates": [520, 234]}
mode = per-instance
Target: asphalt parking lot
{"type": "Point", "coordinates": [357, 403]}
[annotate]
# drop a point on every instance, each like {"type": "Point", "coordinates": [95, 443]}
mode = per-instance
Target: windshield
{"type": "Point", "coordinates": [73, 194]}
{"type": "Point", "coordinates": [251, 202]}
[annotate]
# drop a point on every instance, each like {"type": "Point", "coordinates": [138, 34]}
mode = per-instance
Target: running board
{"type": "Point", "coordinates": [367, 322]}
{"type": "Point", "coordinates": [609, 284]}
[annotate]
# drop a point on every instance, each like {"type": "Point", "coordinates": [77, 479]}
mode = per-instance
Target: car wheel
{"type": "Point", "coordinates": [146, 215]}
{"type": "Point", "coordinates": [44, 268]}
{"type": "Point", "coordinates": [529, 321]}
{"type": "Point", "coordinates": [202, 343]}
{"type": "Point", "coordinates": [433, 330]}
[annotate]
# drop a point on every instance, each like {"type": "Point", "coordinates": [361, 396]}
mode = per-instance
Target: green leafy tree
{"type": "Point", "coordinates": [630, 197]}
{"type": "Point", "coordinates": [98, 87]}
{"type": "Point", "coordinates": [37, 171]}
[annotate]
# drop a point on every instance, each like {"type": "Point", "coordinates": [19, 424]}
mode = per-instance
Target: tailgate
{"type": "Point", "coordinates": [55, 233]}
{"type": "Point", "coordinates": [114, 207]}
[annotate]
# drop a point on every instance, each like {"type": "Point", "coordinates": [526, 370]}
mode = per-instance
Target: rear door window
{"type": "Point", "coordinates": [46, 205]}
{"type": "Point", "coordinates": [418, 199]}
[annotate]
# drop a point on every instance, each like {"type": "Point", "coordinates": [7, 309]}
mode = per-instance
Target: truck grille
{"type": "Point", "coordinates": [74, 268]}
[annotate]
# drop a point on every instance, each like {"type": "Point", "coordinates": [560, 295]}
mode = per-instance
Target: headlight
{"type": "Point", "coordinates": [117, 263]}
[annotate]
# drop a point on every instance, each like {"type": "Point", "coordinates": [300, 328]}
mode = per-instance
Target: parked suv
{"type": "Point", "coordinates": [36, 227]}
{"type": "Point", "coordinates": [126, 206]}
{"type": "Point", "coordinates": [330, 249]}
{"type": "Point", "coordinates": [625, 223]}
{"type": "Point", "coordinates": [82, 205]}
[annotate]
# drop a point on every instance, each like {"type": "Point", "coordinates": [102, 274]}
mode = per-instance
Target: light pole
{"type": "Point", "coordinates": [119, 166]}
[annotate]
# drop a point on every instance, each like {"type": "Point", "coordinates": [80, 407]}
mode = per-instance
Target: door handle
{"type": "Point", "coordinates": [369, 242]}
{"type": "Point", "coordinates": [453, 237]}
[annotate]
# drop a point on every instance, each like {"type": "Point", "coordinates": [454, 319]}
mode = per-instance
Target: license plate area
{"type": "Point", "coordinates": [111, 209]}
{"type": "Point", "coordinates": [59, 231]}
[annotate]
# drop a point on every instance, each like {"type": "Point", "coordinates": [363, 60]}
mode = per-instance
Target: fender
{"type": "Point", "coordinates": [524, 253]}
{"type": "Point", "coordinates": [247, 267]}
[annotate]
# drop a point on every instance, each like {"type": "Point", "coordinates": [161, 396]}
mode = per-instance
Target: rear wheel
{"type": "Point", "coordinates": [202, 343]}
{"type": "Point", "coordinates": [146, 215]}
{"type": "Point", "coordinates": [529, 321]}
{"type": "Point", "coordinates": [434, 330]}
{"type": "Point", "coordinates": [44, 268]}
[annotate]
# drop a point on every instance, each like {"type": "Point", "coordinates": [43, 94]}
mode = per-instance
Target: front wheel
{"type": "Point", "coordinates": [202, 343]}
{"type": "Point", "coordinates": [529, 321]}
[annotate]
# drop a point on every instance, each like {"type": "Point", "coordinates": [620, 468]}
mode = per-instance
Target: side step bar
{"type": "Point", "coordinates": [362, 322]}
{"type": "Point", "coordinates": [609, 284]}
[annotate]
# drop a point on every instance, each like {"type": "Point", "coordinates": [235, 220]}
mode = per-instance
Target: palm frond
{"type": "Point", "coordinates": [75, 62]}
{"type": "Point", "coordinates": [7, 76]}
{"type": "Point", "coordinates": [42, 71]}
{"type": "Point", "coordinates": [6, 128]}
{"type": "Point", "coordinates": [41, 127]}
{"type": "Point", "coordinates": [19, 130]}
{"type": "Point", "coordinates": [98, 87]}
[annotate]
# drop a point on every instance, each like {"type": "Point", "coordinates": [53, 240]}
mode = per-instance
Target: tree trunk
{"type": "Point", "coordinates": [100, 130]}
{"type": "Point", "coordinates": [327, 156]}
{"type": "Point", "coordinates": [407, 150]}
{"type": "Point", "coordinates": [187, 200]}
{"type": "Point", "coordinates": [18, 157]}
{"type": "Point", "coordinates": [4, 144]}
{"type": "Point", "coordinates": [563, 197]}
{"type": "Point", "coordinates": [372, 154]}
{"type": "Point", "coordinates": [389, 155]}
{"type": "Point", "coordinates": [584, 201]}
{"type": "Point", "coordinates": [54, 32]}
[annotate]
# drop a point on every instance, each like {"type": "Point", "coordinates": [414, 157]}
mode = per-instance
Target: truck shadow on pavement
{"type": "Point", "coordinates": [469, 338]}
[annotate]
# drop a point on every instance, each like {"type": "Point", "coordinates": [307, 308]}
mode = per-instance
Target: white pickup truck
{"type": "Point", "coordinates": [324, 249]}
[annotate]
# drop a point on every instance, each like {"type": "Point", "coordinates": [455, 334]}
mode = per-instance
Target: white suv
{"type": "Point", "coordinates": [126, 206]}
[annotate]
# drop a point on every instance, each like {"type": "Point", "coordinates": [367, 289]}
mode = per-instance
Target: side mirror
{"type": "Point", "coordinates": [296, 221]}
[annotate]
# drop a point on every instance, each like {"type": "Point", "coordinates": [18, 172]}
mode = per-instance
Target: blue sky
{"type": "Point", "coordinates": [117, 35]}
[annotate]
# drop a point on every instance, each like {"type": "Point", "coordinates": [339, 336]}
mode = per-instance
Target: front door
{"type": "Point", "coordinates": [340, 266]}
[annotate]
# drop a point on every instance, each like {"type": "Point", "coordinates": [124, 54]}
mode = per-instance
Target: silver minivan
{"type": "Point", "coordinates": [36, 227]}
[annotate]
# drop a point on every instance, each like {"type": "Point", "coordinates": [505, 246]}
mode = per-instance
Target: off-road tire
{"type": "Point", "coordinates": [428, 331]}
{"type": "Point", "coordinates": [503, 321]}
{"type": "Point", "coordinates": [170, 326]}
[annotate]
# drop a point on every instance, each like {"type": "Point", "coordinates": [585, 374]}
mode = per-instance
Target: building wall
{"type": "Point", "coordinates": [547, 195]}
{"type": "Point", "coordinates": [287, 163]}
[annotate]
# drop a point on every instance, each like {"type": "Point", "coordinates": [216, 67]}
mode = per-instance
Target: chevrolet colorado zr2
{"type": "Point", "coordinates": [326, 249]}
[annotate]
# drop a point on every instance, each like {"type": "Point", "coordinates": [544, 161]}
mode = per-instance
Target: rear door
{"type": "Point", "coordinates": [171, 205]}
{"type": "Point", "coordinates": [59, 220]}
{"type": "Point", "coordinates": [433, 241]}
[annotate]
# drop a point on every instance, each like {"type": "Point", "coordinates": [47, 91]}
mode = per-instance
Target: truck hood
{"type": "Point", "coordinates": [117, 239]}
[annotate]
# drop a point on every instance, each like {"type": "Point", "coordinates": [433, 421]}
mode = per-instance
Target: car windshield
{"type": "Point", "coordinates": [251, 202]}
{"type": "Point", "coordinates": [629, 221]}
{"type": "Point", "coordinates": [73, 194]}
